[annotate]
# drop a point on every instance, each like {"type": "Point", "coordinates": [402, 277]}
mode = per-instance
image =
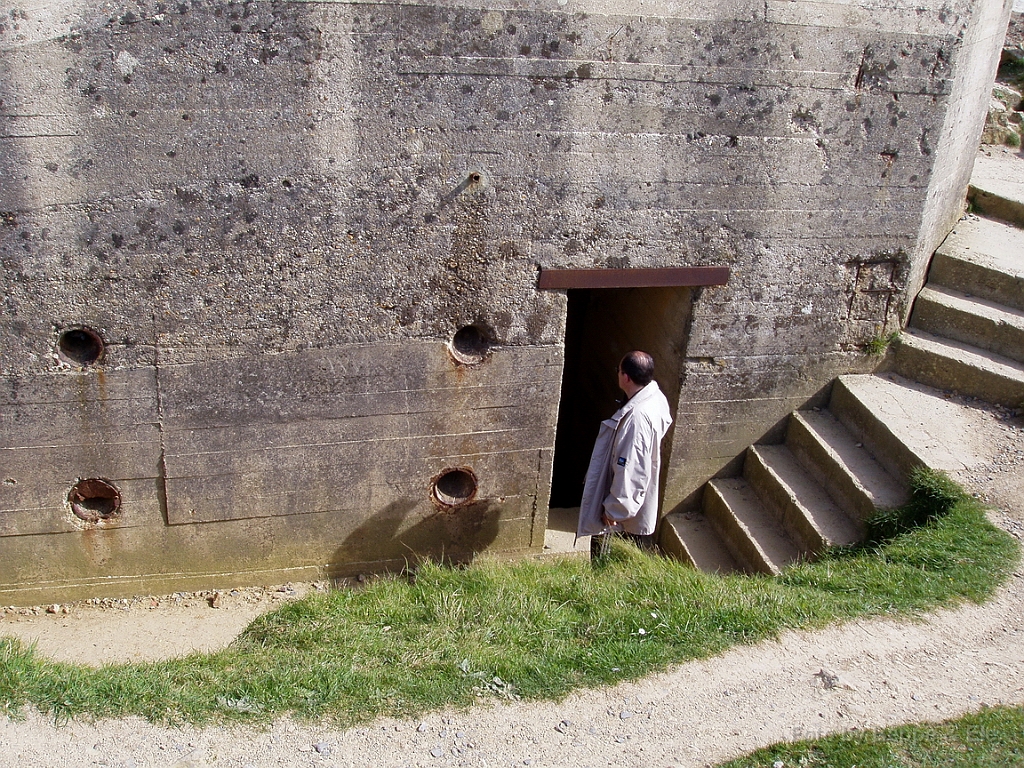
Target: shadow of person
{"type": "Point", "coordinates": [393, 539]}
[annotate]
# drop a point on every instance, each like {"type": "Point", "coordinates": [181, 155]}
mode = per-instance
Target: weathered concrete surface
{"type": "Point", "coordinates": [929, 424]}
{"type": "Point", "coordinates": [277, 216]}
{"type": "Point", "coordinates": [983, 256]}
{"type": "Point", "coordinates": [967, 326]}
{"type": "Point", "coordinates": [955, 143]}
{"type": "Point", "coordinates": [964, 368]}
{"type": "Point", "coordinates": [961, 317]}
{"type": "Point", "coordinates": [996, 186]}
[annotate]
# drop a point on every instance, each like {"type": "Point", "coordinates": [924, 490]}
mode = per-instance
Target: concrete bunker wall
{"type": "Point", "coordinates": [277, 217]}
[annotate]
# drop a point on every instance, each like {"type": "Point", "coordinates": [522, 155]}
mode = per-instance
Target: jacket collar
{"type": "Point", "coordinates": [649, 391]}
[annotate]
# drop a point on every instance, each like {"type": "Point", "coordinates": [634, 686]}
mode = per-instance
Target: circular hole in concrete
{"type": "Point", "coordinates": [470, 345]}
{"type": "Point", "coordinates": [80, 346]}
{"type": "Point", "coordinates": [94, 499]}
{"type": "Point", "coordinates": [454, 487]}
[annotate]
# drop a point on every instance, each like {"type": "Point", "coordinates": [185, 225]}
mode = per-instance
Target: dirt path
{"type": "Point", "coordinates": [862, 675]}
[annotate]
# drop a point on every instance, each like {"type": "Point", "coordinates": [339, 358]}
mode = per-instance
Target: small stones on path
{"type": "Point", "coordinates": [828, 678]}
{"type": "Point", "coordinates": [211, 598]}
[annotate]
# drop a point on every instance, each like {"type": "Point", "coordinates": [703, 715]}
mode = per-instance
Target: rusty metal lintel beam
{"type": "Point", "coordinates": [659, 277]}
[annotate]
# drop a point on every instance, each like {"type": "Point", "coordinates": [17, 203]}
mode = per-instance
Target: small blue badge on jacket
{"type": "Point", "coordinates": [622, 461]}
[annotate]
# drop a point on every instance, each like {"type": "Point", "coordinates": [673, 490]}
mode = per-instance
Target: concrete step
{"type": "Point", "coordinates": [857, 483]}
{"type": "Point", "coordinates": [923, 425]}
{"type": "Point", "coordinates": [865, 413]}
{"type": "Point", "coordinates": [952, 365]}
{"type": "Point", "coordinates": [560, 533]}
{"type": "Point", "coordinates": [997, 185]}
{"type": "Point", "coordinates": [980, 323]}
{"type": "Point", "coordinates": [983, 259]}
{"type": "Point", "coordinates": [804, 508]}
{"type": "Point", "coordinates": [692, 538]}
{"type": "Point", "coordinates": [749, 530]}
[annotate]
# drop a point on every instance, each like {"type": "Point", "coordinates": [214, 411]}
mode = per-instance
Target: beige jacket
{"type": "Point", "coordinates": [622, 480]}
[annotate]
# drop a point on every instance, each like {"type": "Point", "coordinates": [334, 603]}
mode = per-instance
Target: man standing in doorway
{"type": "Point", "coordinates": [620, 494]}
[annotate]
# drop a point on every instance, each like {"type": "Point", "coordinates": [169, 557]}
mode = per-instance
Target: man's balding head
{"type": "Point", "coordinates": [639, 367]}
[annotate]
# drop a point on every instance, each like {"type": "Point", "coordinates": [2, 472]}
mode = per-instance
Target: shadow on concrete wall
{"type": "Point", "coordinates": [453, 535]}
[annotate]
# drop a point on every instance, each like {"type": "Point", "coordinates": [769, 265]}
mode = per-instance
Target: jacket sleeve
{"type": "Point", "coordinates": [630, 468]}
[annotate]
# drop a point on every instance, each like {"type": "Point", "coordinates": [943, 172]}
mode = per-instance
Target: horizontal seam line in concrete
{"type": "Point", "coordinates": [362, 441]}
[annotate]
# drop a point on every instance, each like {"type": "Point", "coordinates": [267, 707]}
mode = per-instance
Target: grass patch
{"type": "Point", "coordinates": [992, 738]}
{"type": "Point", "coordinates": [932, 495]}
{"type": "Point", "coordinates": [879, 345]}
{"type": "Point", "coordinates": [527, 629]}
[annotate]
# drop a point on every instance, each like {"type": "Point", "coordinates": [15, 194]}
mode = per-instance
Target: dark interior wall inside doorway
{"type": "Point", "coordinates": [602, 325]}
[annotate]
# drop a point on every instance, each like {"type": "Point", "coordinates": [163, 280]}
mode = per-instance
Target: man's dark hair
{"type": "Point", "coordinates": [639, 366]}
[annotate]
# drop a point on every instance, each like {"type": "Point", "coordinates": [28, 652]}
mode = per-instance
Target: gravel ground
{"type": "Point", "coordinates": [865, 674]}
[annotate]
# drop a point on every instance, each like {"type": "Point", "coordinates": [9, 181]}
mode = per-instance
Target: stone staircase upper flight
{"type": "Point", "coordinates": [839, 464]}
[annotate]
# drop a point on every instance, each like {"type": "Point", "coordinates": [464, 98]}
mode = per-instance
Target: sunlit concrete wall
{"type": "Point", "coordinates": [277, 217]}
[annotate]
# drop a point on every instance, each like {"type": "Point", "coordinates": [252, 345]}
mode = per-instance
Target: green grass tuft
{"type": "Point", "coordinates": [991, 738]}
{"type": "Point", "coordinates": [879, 345]}
{"type": "Point", "coordinates": [532, 630]}
{"type": "Point", "coordinates": [933, 495]}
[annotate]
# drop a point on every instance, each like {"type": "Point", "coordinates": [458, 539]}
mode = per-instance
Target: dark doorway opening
{"type": "Point", "coordinates": [602, 325]}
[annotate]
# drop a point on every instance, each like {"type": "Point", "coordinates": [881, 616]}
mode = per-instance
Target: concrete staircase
{"type": "Point", "coordinates": [966, 332]}
{"type": "Point", "coordinates": [837, 465]}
